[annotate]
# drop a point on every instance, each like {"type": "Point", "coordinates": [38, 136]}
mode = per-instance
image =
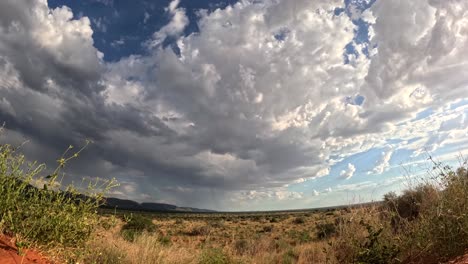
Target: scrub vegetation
{"type": "Point", "coordinates": [427, 223]}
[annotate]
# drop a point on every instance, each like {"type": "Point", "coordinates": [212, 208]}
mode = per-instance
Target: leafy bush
{"type": "Point", "coordinates": [214, 256]}
{"type": "Point", "coordinates": [274, 220]}
{"type": "Point", "coordinates": [290, 257]}
{"type": "Point", "coordinates": [108, 222]}
{"type": "Point", "coordinates": [241, 246]}
{"type": "Point", "coordinates": [425, 224]}
{"type": "Point", "coordinates": [199, 231]}
{"type": "Point", "coordinates": [441, 230]}
{"type": "Point", "coordinates": [38, 209]}
{"type": "Point", "coordinates": [165, 240]}
{"type": "Point", "coordinates": [299, 220]}
{"type": "Point", "coordinates": [216, 223]}
{"type": "Point", "coordinates": [374, 250]}
{"type": "Point", "coordinates": [325, 230]}
{"type": "Point", "coordinates": [301, 236]}
{"type": "Point", "coordinates": [136, 225]}
{"type": "Point", "coordinates": [105, 255]}
{"type": "Point", "coordinates": [409, 205]}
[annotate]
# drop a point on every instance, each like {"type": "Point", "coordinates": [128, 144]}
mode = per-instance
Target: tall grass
{"type": "Point", "coordinates": [38, 209]}
{"type": "Point", "coordinates": [427, 223]}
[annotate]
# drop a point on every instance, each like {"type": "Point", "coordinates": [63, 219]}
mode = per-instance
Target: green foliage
{"type": "Point", "coordinates": [299, 220]}
{"type": "Point", "coordinates": [441, 230]}
{"type": "Point", "coordinates": [325, 230]}
{"type": "Point", "coordinates": [300, 236]}
{"type": "Point", "coordinates": [290, 257]}
{"type": "Point", "coordinates": [241, 246]}
{"type": "Point", "coordinates": [165, 240]}
{"type": "Point", "coordinates": [409, 205]}
{"type": "Point", "coordinates": [374, 250]}
{"type": "Point", "coordinates": [274, 220]}
{"type": "Point", "coordinates": [267, 229]}
{"type": "Point", "coordinates": [108, 222]}
{"type": "Point", "coordinates": [41, 210]}
{"type": "Point", "coordinates": [105, 255]}
{"type": "Point", "coordinates": [135, 225]}
{"type": "Point", "coordinates": [199, 231]}
{"type": "Point", "coordinates": [305, 237]}
{"type": "Point", "coordinates": [216, 223]}
{"type": "Point", "coordinates": [214, 256]}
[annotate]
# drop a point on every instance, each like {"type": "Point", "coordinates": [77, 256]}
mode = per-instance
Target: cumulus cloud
{"type": "Point", "coordinates": [258, 99]}
{"type": "Point", "coordinates": [349, 172]}
{"type": "Point", "coordinates": [174, 28]}
{"type": "Point", "coordinates": [382, 162]}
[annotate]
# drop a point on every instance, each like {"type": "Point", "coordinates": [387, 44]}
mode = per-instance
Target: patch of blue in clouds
{"type": "Point", "coordinates": [361, 33]}
{"type": "Point", "coordinates": [364, 163]}
{"type": "Point", "coordinates": [423, 114]}
{"type": "Point", "coordinates": [459, 103]}
{"type": "Point", "coordinates": [121, 26]}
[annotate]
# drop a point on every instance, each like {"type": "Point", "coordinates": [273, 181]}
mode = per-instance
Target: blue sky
{"type": "Point", "coordinates": [120, 27]}
{"type": "Point", "coordinates": [238, 105]}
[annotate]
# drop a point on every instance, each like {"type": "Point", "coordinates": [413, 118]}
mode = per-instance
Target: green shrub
{"type": "Point", "coordinates": [267, 229]}
{"type": "Point", "coordinates": [41, 210]}
{"type": "Point", "coordinates": [300, 236]}
{"type": "Point", "coordinates": [374, 250]}
{"type": "Point", "coordinates": [216, 223]}
{"type": "Point", "coordinates": [441, 230]}
{"type": "Point", "coordinates": [136, 225]}
{"type": "Point", "coordinates": [299, 220]}
{"type": "Point", "coordinates": [214, 256]}
{"type": "Point", "coordinates": [241, 246]}
{"type": "Point", "coordinates": [290, 257]}
{"type": "Point", "coordinates": [108, 222]}
{"type": "Point", "coordinates": [199, 231]}
{"type": "Point", "coordinates": [325, 230]}
{"type": "Point", "coordinates": [104, 255]}
{"type": "Point", "coordinates": [409, 205]}
{"type": "Point", "coordinates": [304, 237]}
{"type": "Point", "coordinates": [165, 240]}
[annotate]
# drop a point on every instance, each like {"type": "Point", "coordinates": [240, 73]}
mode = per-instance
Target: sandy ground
{"type": "Point", "coordinates": [9, 254]}
{"type": "Point", "coordinates": [460, 260]}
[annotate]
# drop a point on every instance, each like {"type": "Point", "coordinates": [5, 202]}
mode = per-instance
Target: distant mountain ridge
{"type": "Point", "coordinates": [124, 204]}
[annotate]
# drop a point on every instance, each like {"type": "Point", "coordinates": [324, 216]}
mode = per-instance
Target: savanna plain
{"type": "Point", "coordinates": [43, 221]}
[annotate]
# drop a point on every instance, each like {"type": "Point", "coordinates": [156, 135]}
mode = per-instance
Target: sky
{"type": "Point", "coordinates": [238, 105]}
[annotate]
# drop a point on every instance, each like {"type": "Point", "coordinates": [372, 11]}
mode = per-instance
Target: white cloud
{"type": "Point", "coordinates": [146, 17]}
{"type": "Point", "coordinates": [118, 42]}
{"type": "Point", "coordinates": [349, 172]}
{"type": "Point", "coordinates": [175, 27]}
{"type": "Point", "coordinates": [382, 162]}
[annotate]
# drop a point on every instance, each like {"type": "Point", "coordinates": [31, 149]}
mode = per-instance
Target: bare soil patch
{"type": "Point", "coordinates": [9, 253]}
{"type": "Point", "coordinates": [460, 260]}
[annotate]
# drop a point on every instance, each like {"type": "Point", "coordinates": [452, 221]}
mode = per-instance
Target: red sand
{"type": "Point", "coordinates": [460, 260]}
{"type": "Point", "coordinates": [9, 254]}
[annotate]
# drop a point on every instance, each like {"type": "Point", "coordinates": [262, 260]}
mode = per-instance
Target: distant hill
{"type": "Point", "coordinates": [124, 204]}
